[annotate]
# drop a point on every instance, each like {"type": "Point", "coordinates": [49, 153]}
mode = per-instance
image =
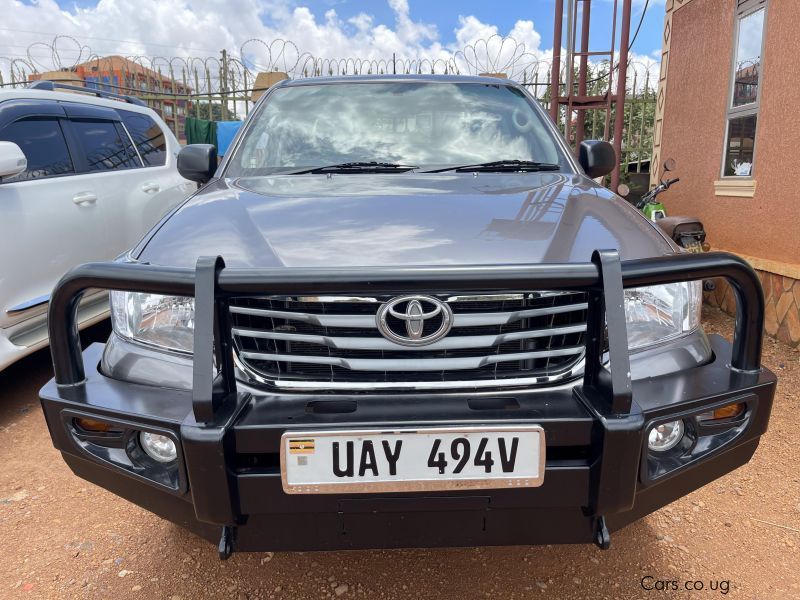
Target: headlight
{"type": "Point", "coordinates": [162, 321]}
{"type": "Point", "coordinates": [662, 312]}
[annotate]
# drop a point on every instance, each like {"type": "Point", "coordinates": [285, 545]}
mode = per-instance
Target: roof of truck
{"type": "Point", "coordinates": [392, 77]}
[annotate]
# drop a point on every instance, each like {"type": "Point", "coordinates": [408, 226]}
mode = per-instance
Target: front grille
{"type": "Point", "coordinates": [333, 341]}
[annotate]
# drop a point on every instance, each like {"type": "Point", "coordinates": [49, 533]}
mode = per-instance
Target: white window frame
{"type": "Point", "coordinates": [744, 9]}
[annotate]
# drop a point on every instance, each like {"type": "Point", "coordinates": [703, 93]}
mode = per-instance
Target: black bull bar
{"type": "Point", "coordinates": [212, 285]}
{"type": "Point", "coordinates": [606, 389]}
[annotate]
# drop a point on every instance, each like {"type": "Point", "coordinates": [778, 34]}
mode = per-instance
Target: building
{"type": "Point", "coordinates": [121, 75]}
{"type": "Point", "coordinates": [727, 113]}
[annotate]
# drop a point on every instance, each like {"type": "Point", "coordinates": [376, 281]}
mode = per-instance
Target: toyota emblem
{"type": "Point", "coordinates": [414, 320]}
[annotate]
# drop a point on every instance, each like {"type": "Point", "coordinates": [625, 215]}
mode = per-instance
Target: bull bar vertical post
{"type": "Point", "coordinates": [607, 395]}
{"type": "Point", "coordinates": [211, 342]}
{"type": "Point", "coordinates": [206, 445]}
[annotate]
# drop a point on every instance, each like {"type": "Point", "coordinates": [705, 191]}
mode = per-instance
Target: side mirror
{"type": "Point", "coordinates": [597, 158]}
{"type": "Point", "coordinates": [198, 162]}
{"type": "Point", "coordinates": [623, 190]}
{"type": "Point", "coordinates": [669, 164]}
{"type": "Point", "coordinates": [12, 160]}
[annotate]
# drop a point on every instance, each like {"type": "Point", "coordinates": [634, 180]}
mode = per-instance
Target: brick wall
{"type": "Point", "coordinates": [782, 310]}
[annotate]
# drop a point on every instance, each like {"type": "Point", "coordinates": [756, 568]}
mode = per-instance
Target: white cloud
{"type": "Point", "coordinates": [202, 28]}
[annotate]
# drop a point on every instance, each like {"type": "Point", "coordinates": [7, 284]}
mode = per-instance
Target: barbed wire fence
{"type": "Point", "coordinates": [221, 87]}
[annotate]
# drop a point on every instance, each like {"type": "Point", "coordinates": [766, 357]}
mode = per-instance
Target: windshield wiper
{"type": "Point", "coordinates": [502, 166]}
{"type": "Point", "coordinates": [358, 167]}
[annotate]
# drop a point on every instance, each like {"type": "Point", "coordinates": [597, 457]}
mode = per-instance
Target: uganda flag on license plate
{"type": "Point", "coordinates": [305, 446]}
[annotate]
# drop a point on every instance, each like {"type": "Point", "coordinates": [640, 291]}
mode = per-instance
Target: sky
{"type": "Point", "coordinates": [325, 28]}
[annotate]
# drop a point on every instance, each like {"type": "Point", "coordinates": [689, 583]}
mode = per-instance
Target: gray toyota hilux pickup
{"type": "Point", "coordinates": [402, 313]}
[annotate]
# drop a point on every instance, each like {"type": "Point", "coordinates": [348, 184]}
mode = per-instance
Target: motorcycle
{"type": "Point", "coordinates": [687, 232]}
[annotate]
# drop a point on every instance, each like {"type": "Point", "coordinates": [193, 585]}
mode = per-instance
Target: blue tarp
{"type": "Point", "coordinates": [226, 130]}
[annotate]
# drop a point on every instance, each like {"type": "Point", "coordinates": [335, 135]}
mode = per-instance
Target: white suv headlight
{"type": "Point", "coordinates": [163, 321]}
{"type": "Point", "coordinates": [661, 312]}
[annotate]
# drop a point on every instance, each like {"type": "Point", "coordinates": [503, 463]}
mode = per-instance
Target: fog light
{"type": "Point", "coordinates": [665, 436]}
{"type": "Point", "coordinates": [159, 447]}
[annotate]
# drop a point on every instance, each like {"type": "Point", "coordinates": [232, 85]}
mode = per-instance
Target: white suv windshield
{"type": "Point", "coordinates": [429, 125]}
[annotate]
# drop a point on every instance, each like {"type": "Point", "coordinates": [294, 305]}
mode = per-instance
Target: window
{"type": "Point", "coordinates": [104, 147]}
{"type": "Point", "coordinates": [147, 136]}
{"type": "Point", "coordinates": [44, 146]}
{"type": "Point", "coordinates": [430, 125]}
{"type": "Point", "coordinates": [742, 115]}
{"type": "Point", "coordinates": [740, 146]}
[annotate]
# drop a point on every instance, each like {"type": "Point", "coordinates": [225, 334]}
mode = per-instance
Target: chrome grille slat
{"type": "Point", "coordinates": [332, 342]}
{"type": "Point", "coordinates": [379, 343]}
{"type": "Point", "coordinates": [412, 364]}
{"type": "Point", "coordinates": [364, 321]}
{"type": "Point", "coordinates": [368, 321]}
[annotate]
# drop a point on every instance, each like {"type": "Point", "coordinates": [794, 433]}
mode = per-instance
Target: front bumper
{"type": "Point", "coordinates": [230, 473]}
{"type": "Point", "coordinates": [226, 485]}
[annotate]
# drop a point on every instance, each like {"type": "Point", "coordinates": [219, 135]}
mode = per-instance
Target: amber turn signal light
{"type": "Point", "coordinates": [95, 426]}
{"type": "Point", "coordinates": [730, 411]}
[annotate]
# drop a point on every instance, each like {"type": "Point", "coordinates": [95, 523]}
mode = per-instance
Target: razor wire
{"type": "Point", "coordinates": [220, 87]}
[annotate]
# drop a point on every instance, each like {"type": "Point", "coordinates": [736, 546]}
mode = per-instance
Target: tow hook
{"type": "Point", "coordinates": [226, 542]}
{"type": "Point", "coordinates": [602, 538]}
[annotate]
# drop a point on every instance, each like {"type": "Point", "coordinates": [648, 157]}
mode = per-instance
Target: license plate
{"type": "Point", "coordinates": [412, 460]}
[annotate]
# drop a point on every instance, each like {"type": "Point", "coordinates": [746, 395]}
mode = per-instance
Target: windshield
{"type": "Point", "coordinates": [428, 125]}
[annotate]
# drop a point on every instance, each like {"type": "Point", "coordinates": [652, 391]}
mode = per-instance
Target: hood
{"type": "Point", "coordinates": [402, 219]}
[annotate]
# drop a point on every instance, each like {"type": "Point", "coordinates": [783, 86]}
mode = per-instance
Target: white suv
{"type": "Point", "coordinates": [83, 176]}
